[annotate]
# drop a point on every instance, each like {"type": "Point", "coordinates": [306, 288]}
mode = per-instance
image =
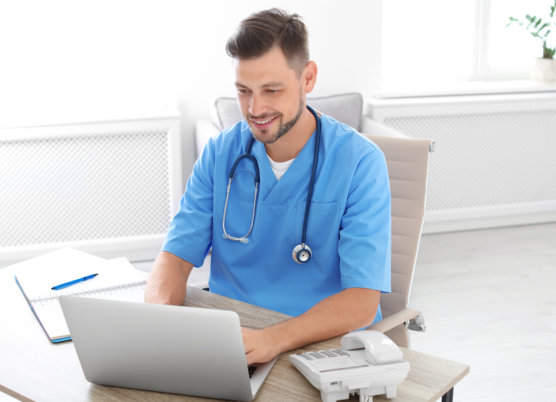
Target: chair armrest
{"type": "Point", "coordinates": [204, 130]}
{"type": "Point", "coordinates": [370, 126]}
{"type": "Point", "coordinates": [392, 321]}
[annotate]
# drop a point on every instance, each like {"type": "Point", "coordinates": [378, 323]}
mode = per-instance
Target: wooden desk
{"type": "Point", "coordinates": [32, 368]}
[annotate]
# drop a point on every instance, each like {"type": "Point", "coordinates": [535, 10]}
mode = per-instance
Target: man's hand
{"type": "Point", "coordinates": [338, 314]}
{"type": "Point", "coordinates": [259, 345]}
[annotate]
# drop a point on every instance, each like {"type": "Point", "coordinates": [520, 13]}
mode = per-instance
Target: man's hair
{"type": "Point", "coordinates": [260, 32]}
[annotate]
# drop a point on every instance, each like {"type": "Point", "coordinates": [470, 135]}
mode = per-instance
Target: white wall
{"type": "Point", "coordinates": [62, 59]}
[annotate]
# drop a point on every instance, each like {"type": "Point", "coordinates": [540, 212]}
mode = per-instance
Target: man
{"type": "Point", "coordinates": [348, 225]}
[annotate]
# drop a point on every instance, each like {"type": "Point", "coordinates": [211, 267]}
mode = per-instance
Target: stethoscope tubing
{"type": "Point", "coordinates": [247, 155]}
{"type": "Point", "coordinates": [313, 175]}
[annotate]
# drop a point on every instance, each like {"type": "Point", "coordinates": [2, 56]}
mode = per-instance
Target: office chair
{"type": "Point", "coordinates": [407, 159]}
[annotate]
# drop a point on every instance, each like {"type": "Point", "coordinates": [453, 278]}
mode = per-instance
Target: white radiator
{"type": "Point", "coordinates": [495, 158]}
{"type": "Point", "coordinates": [109, 187]}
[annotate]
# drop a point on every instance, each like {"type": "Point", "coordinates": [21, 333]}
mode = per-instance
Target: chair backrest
{"type": "Point", "coordinates": [347, 108]}
{"type": "Point", "coordinates": [408, 161]}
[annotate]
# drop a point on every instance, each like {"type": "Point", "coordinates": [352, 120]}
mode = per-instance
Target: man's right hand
{"type": "Point", "coordinates": [167, 282]}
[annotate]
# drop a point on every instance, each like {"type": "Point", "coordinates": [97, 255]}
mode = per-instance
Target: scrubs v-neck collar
{"type": "Point", "coordinates": [298, 173]}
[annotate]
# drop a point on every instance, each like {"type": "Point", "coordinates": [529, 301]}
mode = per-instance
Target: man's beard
{"type": "Point", "coordinates": [283, 128]}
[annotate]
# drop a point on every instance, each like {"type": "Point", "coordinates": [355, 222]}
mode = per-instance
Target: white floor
{"type": "Point", "coordinates": [489, 300]}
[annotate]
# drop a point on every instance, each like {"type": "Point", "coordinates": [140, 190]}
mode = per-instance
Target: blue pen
{"type": "Point", "coordinates": [65, 285]}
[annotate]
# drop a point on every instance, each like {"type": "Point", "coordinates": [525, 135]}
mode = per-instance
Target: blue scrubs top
{"type": "Point", "coordinates": [349, 226]}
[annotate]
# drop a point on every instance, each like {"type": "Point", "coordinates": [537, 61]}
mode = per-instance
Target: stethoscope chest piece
{"type": "Point", "coordinates": [302, 253]}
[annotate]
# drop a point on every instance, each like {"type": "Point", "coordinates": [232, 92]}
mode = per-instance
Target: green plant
{"type": "Point", "coordinates": [540, 28]}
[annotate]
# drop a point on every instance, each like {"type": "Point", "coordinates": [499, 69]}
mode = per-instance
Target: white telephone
{"type": "Point", "coordinates": [368, 364]}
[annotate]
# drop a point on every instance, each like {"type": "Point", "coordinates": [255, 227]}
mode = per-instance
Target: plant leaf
{"type": "Point", "coordinates": [546, 24]}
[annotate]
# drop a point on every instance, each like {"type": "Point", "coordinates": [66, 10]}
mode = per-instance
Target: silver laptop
{"type": "Point", "coordinates": [181, 350]}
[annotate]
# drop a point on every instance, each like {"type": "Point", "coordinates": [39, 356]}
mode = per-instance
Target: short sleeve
{"type": "Point", "coordinates": [365, 234]}
{"type": "Point", "coordinates": [190, 232]}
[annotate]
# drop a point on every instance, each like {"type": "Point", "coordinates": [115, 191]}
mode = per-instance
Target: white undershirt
{"type": "Point", "coordinates": [279, 168]}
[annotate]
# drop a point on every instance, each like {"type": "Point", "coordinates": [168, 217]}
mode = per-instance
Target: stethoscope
{"type": "Point", "coordinates": [302, 252]}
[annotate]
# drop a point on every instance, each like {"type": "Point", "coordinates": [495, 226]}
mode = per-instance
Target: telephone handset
{"type": "Point", "coordinates": [368, 364]}
{"type": "Point", "coordinates": [379, 349]}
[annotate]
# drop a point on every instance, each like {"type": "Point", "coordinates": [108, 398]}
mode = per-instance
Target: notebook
{"type": "Point", "coordinates": [116, 279]}
{"type": "Point", "coordinates": [175, 349]}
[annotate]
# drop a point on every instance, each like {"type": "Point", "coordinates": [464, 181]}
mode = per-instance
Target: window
{"type": "Point", "coordinates": [427, 40]}
{"type": "Point", "coordinates": [508, 52]}
{"type": "Point", "coordinates": [438, 41]}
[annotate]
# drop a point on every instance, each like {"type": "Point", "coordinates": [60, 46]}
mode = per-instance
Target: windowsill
{"type": "Point", "coordinates": [430, 89]}
{"type": "Point", "coordinates": [49, 116]}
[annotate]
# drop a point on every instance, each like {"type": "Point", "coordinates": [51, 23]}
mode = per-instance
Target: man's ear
{"type": "Point", "coordinates": [309, 76]}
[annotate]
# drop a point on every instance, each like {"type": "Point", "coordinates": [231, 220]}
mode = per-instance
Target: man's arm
{"type": "Point", "coordinates": [167, 282]}
{"type": "Point", "coordinates": [338, 314]}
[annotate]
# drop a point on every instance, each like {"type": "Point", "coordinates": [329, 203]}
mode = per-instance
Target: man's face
{"type": "Point", "coordinates": [270, 93]}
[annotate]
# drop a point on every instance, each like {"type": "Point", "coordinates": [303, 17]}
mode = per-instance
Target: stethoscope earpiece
{"type": "Point", "coordinates": [301, 253]}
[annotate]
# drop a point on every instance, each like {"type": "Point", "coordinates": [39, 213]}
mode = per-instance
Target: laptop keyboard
{"type": "Point", "coordinates": [251, 370]}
